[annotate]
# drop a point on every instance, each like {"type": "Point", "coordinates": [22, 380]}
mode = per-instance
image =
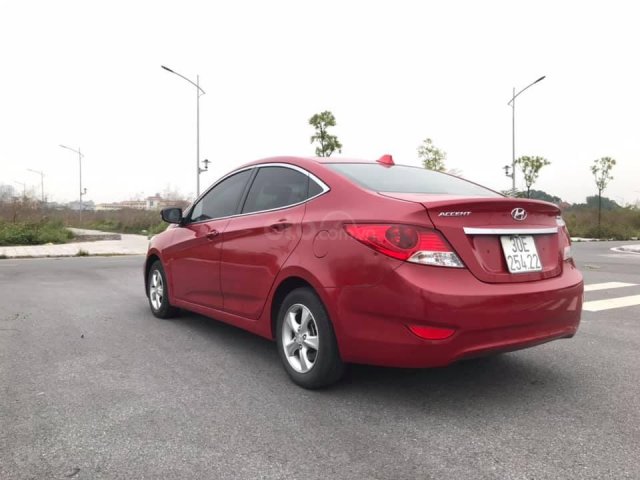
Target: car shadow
{"type": "Point", "coordinates": [524, 376]}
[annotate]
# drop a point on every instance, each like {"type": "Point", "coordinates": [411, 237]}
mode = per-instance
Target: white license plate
{"type": "Point", "coordinates": [521, 253]}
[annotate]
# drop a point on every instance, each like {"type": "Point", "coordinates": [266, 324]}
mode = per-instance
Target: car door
{"type": "Point", "coordinates": [258, 242]}
{"type": "Point", "coordinates": [194, 258]}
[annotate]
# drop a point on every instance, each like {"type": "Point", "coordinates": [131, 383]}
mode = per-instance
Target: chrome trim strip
{"type": "Point", "coordinates": [325, 188]}
{"type": "Point", "coordinates": [509, 231]}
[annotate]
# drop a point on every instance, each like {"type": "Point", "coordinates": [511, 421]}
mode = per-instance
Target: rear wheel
{"type": "Point", "coordinates": [158, 292]}
{"type": "Point", "coordinates": [306, 341]}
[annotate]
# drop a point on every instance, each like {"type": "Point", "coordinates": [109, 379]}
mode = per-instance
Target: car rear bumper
{"type": "Point", "coordinates": [372, 322]}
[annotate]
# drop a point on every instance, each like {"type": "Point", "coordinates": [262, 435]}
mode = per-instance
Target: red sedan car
{"type": "Point", "coordinates": [348, 261]}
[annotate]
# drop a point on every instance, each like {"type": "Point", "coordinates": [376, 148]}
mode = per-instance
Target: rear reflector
{"type": "Point", "coordinates": [431, 333]}
{"type": "Point", "coordinates": [406, 242]}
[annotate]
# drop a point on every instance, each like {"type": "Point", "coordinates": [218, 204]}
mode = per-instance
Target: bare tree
{"type": "Point", "coordinates": [601, 170]}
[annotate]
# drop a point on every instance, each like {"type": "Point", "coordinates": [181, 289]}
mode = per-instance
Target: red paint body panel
{"type": "Point", "coordinates": [255, 249]}
{"type": "Point", "coordinates": [193, 262]}
{"type": "Point", "coordinates": [371, 298]}
{"type": "Point", "coordinates": [485, 316]}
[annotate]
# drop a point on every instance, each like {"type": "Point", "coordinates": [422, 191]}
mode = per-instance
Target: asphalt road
{"type": "Point", "coordinates": [93, 386]}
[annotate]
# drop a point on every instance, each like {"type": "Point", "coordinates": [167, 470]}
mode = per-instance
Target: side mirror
{"type": "Point", "coordinates": [171, 215]}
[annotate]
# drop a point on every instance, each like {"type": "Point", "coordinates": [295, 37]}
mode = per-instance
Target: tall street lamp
{"type": "Point", "coordinates": [512, 103]}
{"type": "Point", "coordinates": [41, 182]}
{"type": "Point", "coordinates": [82, 192]}
{"type": "Point", "coordinates": [199, 93]}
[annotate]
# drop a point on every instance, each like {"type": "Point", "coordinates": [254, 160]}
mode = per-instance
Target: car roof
{"type": "Point", "coordinates": [299, 160]}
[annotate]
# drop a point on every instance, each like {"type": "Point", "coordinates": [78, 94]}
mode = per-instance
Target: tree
{"type": "Point", "coordinates": [432, 157]}
{"type": "Point", "coordinates": [327, 143]}
{"type": "Point", "coordinates": [592, 201]}
{"type": "Point", "coordinates": [531, 167]}
{"type": "Point", "coordinates": [601, 170]}
{"type": "Point", "coordinates": [541, 195]}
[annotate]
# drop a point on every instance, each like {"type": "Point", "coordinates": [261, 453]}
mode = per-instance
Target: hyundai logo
{"type": "Point", "coordinates": [519, 214]}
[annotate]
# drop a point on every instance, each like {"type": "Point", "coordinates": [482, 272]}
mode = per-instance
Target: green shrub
{"type": "Point", "coordinates": [618, 224]}
{"type": "Point", "coordinates": [157, 228]}
{"type": "Point", "coordinates": [34, 233]}
{"type": "Point", "coordinates": [127, 220]}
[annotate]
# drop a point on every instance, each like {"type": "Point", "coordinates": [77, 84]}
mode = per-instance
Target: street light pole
{"type": "Point", "coordinates": [41, 182]}
{"type": "Point", "coordinates": [199, 93]}
{"type": "Point", "coordinates": [198, 135]}
{"type": "Point", "coordinates": [80, 155]}
{"type": "Point", "coordinates": [512, 103]}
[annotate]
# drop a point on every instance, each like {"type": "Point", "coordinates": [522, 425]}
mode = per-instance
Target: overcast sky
{"type": "Point", "coordinates": [87, 74]}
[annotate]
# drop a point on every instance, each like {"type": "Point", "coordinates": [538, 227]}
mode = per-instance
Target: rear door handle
{"type": "Point", "coordinates": [212, 234]}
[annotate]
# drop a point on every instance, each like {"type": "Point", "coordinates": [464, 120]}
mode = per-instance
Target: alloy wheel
{"type": "Point", "coordinates": [156, 290]}
{"type": "Point", "coordinates": [300, 340]}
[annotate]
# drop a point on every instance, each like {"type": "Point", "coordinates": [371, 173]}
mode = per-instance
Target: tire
{"type": "Point", "coordinates": [306, 341]}
{"type": "Point", "coordinates": [158, 292]}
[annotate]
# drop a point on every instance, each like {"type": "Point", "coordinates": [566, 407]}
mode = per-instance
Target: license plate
{"type": "Point", "coordinates": [521, 253]}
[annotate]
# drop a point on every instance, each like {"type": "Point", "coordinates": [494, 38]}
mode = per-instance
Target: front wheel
{"type": "Point", "coordinates": [158, 292]}
{"type": "Point", "coordinates": [306, 341]}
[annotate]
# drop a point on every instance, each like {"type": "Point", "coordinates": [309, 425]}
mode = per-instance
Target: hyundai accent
{"type": "Point", "coordinates": [349, 261]}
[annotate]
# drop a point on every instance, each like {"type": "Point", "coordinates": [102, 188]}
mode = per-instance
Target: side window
{"type": "Point", "coordinates": [222, 200]}
{"type": "Point", "coordinates": [276, 187]}
{"type": "Point", "coordinates": [314, 189]}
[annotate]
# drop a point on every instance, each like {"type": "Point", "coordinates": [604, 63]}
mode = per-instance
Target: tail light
{"type": "Point", "coordinates": [565, 243]}
{"type": "Point", "coordinates": [408, 243]}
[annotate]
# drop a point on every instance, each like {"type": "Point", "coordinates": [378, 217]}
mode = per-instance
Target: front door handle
{"type": "Point", "coordinates": [280, 226]}
{"type": "Point", "coordinates": [212, 234]}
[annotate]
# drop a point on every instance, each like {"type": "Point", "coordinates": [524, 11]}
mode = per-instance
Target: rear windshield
{"type": "Point", "coordinates": [404, 179]}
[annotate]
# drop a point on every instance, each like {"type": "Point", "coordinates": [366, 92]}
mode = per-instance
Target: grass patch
{"type": "Point", "coordinates": [33, 233]}
{"type": "Point", "coordinates": [157, 228]}
{"type": "Point", "coordinates": [128, 220]}
{"type": "Point", "coordinates": [82, 253]}
{"type": "Point", "coordinates": [125, 221]}
{"type": "Point", "coordinates": [616, 224]}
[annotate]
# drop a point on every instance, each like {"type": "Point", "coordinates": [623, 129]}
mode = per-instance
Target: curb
{"type": "Point", "coordinates": [634, 249]}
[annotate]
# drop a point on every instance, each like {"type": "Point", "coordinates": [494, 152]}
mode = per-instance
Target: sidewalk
{"type": "Point", "coordinates": [125, 245]}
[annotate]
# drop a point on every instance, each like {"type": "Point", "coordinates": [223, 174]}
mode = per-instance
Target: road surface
{"type": "Point", "coordinates": [93, 386]}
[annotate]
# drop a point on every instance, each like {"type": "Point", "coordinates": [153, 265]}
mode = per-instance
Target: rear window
{"type": "Point", "coordinates": [403, 179]}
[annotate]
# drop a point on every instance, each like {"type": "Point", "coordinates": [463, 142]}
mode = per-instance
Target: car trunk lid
{"type": "Point", "coordinates": [474, 227]}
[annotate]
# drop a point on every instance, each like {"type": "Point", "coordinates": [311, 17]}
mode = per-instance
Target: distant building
{"type": "Point", "coordinates": [7, 192]}
{"type": "Point", "coordinates": [154, 202]}
{"type": "Point", "coordinates": [75, 205]}
{"type": "Point", "coordinates": [101, 207]}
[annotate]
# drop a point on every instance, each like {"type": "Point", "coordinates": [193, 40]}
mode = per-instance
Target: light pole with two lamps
{"type": "Point", "coordinates": [512, 103]}
{"type": "Point", "coordinates": [199, 93]}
